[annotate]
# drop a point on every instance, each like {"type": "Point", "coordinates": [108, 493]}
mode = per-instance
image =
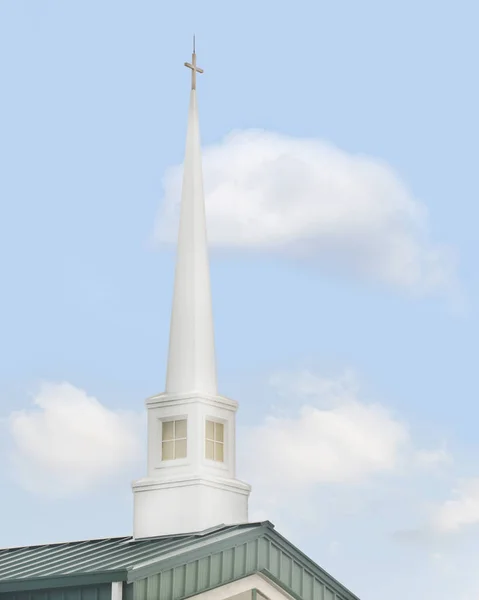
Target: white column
{"type": "Point", "coordinates": [117, 590]}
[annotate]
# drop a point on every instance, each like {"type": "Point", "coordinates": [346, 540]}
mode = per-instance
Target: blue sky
{"type": "Point", "coordinates": [92, 125]}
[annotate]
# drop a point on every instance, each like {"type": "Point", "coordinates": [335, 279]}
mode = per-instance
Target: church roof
{"type": "Point", "coordinates": [110, 559]}
{"type": "Point", "coordinates": [177, 566]}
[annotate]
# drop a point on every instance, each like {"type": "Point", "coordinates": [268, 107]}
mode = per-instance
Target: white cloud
{"type": "Point", "coordinates": [269, 192]}
{"type": "Point", "coordinates": [461, 511]}
{"type": "Point", "coordinates": [69, 441]}
{"type": "Point", "coordinates": [333, 438]}
{"type": "Point", "coordinates": [433, 458]}
{"type": "Point", "coordinates": [329, 435]}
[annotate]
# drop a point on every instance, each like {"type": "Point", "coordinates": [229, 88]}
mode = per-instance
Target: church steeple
{"type": "Point", "coordinates": [191, 359]}
{"type": "Point", "coordinates": [191, 483]}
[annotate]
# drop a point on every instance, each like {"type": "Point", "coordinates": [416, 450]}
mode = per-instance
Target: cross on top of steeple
{"type": "Point", "coordinates": [193, 67]}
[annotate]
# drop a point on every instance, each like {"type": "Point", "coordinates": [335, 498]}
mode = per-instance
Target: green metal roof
{"type": "Point", "coordinates": [169, 567]}
{"type": "Point", "coordinates": [110, 559]}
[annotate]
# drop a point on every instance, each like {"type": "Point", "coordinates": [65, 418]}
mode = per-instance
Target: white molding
{"type": "Point", "coordinates": [165, 399]}
{"type": "Point", "coordinates": [116, 590]}
{"type": "Point", "coordinates": [146, 484]}
{"type": "Point", "coordinates": [257, 581]}
{"type": "Point", "coordinates": [174, 462]}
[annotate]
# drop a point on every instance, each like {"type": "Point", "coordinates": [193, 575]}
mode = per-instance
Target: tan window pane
{"type": "Point", "coordinates": [210, 430]}
{"type": "Point", "coordinates": [167, 430]}
{"type": "Point", "coordinates": [219, 452]}
{"type": "Point", "coordinates": [180, 449]}
{"type": "Point", "coordinates": [180, 429]}
{"type": "Point", "coordinates": [167, 450]}
{"type": "Point", "coordinates": [210, 450]}
{"type": "Point", "coordinates": [219, 437]}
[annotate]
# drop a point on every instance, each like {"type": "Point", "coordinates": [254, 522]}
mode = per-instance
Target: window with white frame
{"type": "Point", "coordinates": [173, 439]}
{"type": "Point", "coordinates": [215, 441]}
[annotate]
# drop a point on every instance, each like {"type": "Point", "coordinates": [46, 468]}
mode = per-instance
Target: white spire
{"type": "Point", "coordinates": [191, 481]}
{"type": "Point", "coordinates": [191, 359]}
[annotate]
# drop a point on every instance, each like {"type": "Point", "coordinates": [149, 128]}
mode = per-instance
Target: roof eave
{"type": "Point", "coordinates": [303, 559]}
{"type": "Point", "coordinates": [60, 581]}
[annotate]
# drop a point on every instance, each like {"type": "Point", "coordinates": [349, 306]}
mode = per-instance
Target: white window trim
{"type": "Point", "coordinates": [173, 462]}
{"type": "Point", "coordinates": [219, 464]}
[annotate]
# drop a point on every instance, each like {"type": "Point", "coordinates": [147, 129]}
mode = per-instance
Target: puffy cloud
{"type": "Point", "coordinates": [69, 441]}
{"type": "Point", "coordinates": [461, 511]}
{"type": "Point", "coordinates": [329, 434]}
{"type": "Point", "coordinates": [312, 201]}
{"type": "Point", "coordinates": [334, 437]}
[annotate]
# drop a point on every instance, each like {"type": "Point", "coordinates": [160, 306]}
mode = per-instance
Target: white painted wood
{"type": "Point", "coordinates": [233, 590]}
{"type": "Point", "coordinates": [192, 493]}
{"type": "Point", "coordinates": [117, 590]}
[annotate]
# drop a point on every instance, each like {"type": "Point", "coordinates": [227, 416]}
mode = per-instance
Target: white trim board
{"type": "Point", "coordinates": [257, 581]}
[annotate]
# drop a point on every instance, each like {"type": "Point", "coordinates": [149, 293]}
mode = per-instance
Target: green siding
{"type": "Point", "coordinates": [200, 575]}
{"type": "Point", "coordinates": [225, 566]}
{"type": "Point", "coordinates": [297, 579]}
{"type": "Point", "coordinates": [90, 592]}
{"type": "Point", "coordinates": [127, 591]}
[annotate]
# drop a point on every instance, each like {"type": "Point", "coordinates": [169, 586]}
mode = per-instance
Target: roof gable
{"type": "Point", "coordinates": [172, 567]}
{"type": "Point", "coordinates": [232, 556]}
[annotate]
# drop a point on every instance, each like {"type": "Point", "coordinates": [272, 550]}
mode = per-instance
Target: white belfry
{"type": "Point", "coordinates": [191, 484]}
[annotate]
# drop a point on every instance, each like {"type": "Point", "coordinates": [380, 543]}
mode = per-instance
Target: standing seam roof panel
{"type": "Point", "coordinates": [103, 555]}
{"type": "Point", "coordinates": [72, 551]}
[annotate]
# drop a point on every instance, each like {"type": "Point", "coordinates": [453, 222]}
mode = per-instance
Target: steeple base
{"type": "Point", "coordinates": [187, 505]}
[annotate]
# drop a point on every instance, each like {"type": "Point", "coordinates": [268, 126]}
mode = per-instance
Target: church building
{"type": "Point", "coordinates": [191, 534]}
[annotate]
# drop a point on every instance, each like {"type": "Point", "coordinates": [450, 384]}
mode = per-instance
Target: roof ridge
{"type": "Point", "coordinates": [204, 532]}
